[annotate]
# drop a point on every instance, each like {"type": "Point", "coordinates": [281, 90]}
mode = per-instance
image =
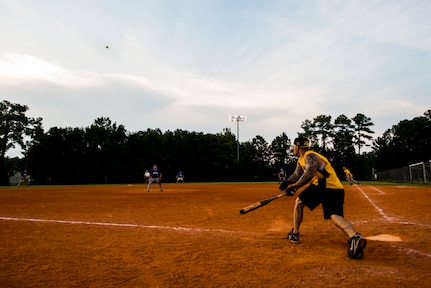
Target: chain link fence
{"type": "Point", "coordinates": [419, 173]}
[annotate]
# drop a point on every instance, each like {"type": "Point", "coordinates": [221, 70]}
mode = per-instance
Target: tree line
{"type": "Point", "coordinates": [105, 152]}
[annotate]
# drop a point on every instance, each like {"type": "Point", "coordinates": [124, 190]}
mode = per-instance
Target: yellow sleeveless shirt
{"type": "Point", "coordinates": [332, 182]}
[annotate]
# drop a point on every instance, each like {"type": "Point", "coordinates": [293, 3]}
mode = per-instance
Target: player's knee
{"type": "Point", "coordinates": [298, 201]}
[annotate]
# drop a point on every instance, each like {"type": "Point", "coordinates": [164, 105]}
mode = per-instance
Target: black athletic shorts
{"type": "Point", "coordinates": [332, 200]}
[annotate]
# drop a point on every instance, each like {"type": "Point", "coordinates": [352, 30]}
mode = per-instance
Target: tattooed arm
{"type": "Point", "coordinates": [296, 174]}
{"type": "Point", "coordinates": [311, 165]}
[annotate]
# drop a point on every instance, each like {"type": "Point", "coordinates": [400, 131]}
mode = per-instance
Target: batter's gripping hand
{"type": "Point", "coordinates": [290, 191]}
{"type": "Point", "coordinates": [284, 185]}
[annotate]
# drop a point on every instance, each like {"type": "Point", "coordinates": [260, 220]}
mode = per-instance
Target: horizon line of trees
{"type": "Point", "coordinates": [105, 152]}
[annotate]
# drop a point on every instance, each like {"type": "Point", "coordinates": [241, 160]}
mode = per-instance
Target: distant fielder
{"type": "Point", "coordinates": [281, 175]}
{"type": "Point", "coordinates": [349, 177]}
{"type": "Point", "coordinates": [180, 177]}
{"type": "Point", "coordinates": [155, 176]}
{"type": "Point", "coordinates": [24, 178]}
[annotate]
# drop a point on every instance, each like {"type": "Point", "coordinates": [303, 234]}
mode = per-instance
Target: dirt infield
{"type": "Point", "coordinates": [192, 235]}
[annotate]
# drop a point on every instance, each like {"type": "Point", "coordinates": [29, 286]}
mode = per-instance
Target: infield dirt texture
{"type": "Point", "coordinates": [192, 235]}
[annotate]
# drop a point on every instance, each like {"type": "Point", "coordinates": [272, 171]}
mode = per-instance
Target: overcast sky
{"type": "Point", "coordinates": [180, 64]}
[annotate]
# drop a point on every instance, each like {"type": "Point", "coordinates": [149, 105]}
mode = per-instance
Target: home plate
{"type": "Point", "coordinates": [384, 237]}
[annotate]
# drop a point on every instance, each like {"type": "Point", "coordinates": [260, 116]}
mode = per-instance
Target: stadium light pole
{"type": "Point", "coordinates": [237, 119]}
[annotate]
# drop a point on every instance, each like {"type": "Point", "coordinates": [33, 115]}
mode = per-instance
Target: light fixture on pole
{"type": "Point", "coordinates": [237, 119]}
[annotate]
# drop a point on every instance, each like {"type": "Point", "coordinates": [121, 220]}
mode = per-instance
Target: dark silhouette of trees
{"type": "Point", "coordinates": [336, 140]}
{"type": "Point", "coordinates": [362, 131]}
{"type": "Point", "coordinates": [343, 139]}
{"type": "Point", "coordinates": [58, 154]}
{"type": "Point", "coordinates": [255, 159]}
{"type": "Point", "coordinates": [281, 152]}
{"type": "Point", "coordinates": [105, 152]}
{"type": "Point", "coordinates": [15, 126]}
{"type": "Point", "coordinates": [405, 143]}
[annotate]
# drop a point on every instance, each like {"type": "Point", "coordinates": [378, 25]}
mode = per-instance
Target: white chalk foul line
{"type": "Point", "coordinates": [390, 219]}
{"type": "Point", "coordinates": [386, 217]}
{"type": "Point", "coordinates": [113, 224]}
{"type": "Point", "coordinates": [378, 190]}
{"type": "Point", "coordinates": [412, 251]}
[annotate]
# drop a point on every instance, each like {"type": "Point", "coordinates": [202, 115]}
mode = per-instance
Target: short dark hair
{"type": "Point", "coordinates": [302, 142]}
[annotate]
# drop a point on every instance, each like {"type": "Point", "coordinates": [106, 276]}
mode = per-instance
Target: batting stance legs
{"type": "Point", "coordinates": [332, 204]}
{"type": "Point", "coordinates": [337, 220]}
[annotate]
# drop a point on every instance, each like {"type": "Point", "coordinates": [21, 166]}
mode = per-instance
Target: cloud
{"type": "Point", "coordinates": [191, 65]}
{"type": "Point", "coordinates": [16, 69]}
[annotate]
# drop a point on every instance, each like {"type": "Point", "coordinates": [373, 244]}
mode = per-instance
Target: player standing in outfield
{"type": "Point", "coordinates": [155, 176]}
{"type": "Point", "coordinates": [24, 178]}
{"type": "Point", "coordinates": [324, 188]}
{"type": "Point", "coordinates": [180, 177]}
{"type": "Point", "coordinates": [349, 176]}
{"type": "Point", "coordinates": [281, 175]}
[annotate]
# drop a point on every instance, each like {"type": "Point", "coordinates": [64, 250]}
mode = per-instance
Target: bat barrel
{"type": "Point", "coordinates": [258, 204]}
{"type": "Point", "coordinates": [250, 208]}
